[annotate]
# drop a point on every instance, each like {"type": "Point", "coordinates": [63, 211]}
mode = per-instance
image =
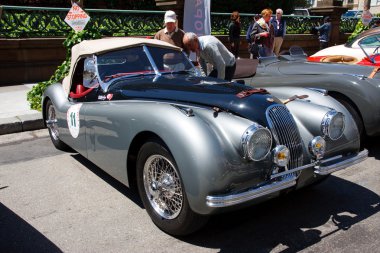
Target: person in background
{"type": "Point", "coordinates": [171, 33]}
{"type": "Point", "coordinates": [249, 30]}
{"type": "Point", "coordinates": [263, 33]}
{"type": "Point", "coordinates": [234, 30]}
{"type": "Point", "coordinates": [210, 50]}
{"type": "Point", "coordinates": [279, 25]}
{"type": "Point", "coordinates": [324, 33]}
{"type": "Point", "coordinates": [376, 24]}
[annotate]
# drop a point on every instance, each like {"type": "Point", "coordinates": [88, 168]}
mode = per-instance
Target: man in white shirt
{"type": "Point", "coordinates": [210, 50]}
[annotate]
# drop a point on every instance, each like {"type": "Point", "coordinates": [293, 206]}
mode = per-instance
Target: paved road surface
{"type": "Point", "coordinates": [52, 201]}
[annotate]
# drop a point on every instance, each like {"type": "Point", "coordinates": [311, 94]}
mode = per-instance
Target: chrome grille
{"type": "Point", "coordinates": [285, 132]}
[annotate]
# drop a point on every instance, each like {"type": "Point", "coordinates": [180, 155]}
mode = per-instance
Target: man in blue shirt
{"type": "Point", "coordinates": [324, 33]}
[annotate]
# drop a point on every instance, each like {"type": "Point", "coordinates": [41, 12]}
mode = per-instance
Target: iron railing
{"type": "Point", "coordinates": [26, 22]}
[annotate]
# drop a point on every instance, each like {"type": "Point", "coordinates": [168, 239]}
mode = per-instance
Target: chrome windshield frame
{"type": "Point", "coordinates": [151, 60]}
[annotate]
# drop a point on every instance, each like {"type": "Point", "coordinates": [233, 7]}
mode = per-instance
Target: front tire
{"type": "Point", "coordinates": [162, 192]}
{"type": "Point", "coordinates": [51, 122]}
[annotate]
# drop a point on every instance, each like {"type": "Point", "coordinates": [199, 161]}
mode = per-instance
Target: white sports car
{"type": "Point", "coordinates": [361, 50]}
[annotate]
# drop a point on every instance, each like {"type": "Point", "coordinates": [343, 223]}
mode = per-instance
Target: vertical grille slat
{"type": "Point", "coordinates": [285, 132]}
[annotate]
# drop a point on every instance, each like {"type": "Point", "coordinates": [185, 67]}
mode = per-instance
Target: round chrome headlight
{"type": "Point", "coordinates": [281, 155]}
{"type": "Point", "coordinates": [317, 147]}
{"type": "Point", "coordinates": [333, 124]}
{"type": "Point", "coordinates": [256, 142]}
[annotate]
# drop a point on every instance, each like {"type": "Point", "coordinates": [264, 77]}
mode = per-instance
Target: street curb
{"type": "Point", "coordinates": [21, 123]}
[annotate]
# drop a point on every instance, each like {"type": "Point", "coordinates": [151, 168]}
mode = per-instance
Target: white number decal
{"type": "Point", "coordinates": [73, 121]}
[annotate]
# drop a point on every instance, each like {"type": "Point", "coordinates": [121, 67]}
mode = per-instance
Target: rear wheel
{"type": "Point", "coordinates": [161, 190]}
{"type": "Point", "coordinates": [51, 122]}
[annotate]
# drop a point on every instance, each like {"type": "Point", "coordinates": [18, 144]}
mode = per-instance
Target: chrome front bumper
{"type": "Point", "coordinates": [323, 167]}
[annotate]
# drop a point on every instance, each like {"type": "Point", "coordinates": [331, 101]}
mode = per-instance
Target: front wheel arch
{"type": "Point", "coordinates": [353, 109]}
{"type": "Point", "coordinates": [134, 148]}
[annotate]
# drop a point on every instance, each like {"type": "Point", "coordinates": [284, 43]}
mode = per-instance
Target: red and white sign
{"type": "Point", "coordinates": [366, 17]}
{"type": "Point", "coordinates": [77, 18]}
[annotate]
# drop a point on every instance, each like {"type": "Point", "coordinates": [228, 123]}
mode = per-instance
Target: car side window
{"type": "Point", "coordinates": [371, 41]}
{"type": "Point", "coordinates": [84, 82]}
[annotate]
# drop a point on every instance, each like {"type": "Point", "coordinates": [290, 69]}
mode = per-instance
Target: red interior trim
{"type": "Point", "coordinates": [82, 94]}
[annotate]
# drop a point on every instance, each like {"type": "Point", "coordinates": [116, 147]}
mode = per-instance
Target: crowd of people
{"type": "Point", "coordinates": [265, 36]}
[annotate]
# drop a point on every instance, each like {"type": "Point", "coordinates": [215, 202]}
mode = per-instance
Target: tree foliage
{"type": "Point", "coordinates": [34, 96]}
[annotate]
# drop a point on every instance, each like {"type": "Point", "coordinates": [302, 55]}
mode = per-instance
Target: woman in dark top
{"type": "Point", "coordinates": [263, 33]}
{"type": "Point", "coordinates": [234, 33]}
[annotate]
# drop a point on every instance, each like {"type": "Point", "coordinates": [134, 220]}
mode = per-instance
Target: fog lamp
{"type": "Point", "coordinates": [317, 147]}
{"type": "Point", "coordinates": [281, 155]}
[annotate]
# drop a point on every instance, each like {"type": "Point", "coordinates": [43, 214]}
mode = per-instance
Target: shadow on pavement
{"type": "Point", "coordinates": [132, 195]}
{"type": "Point", "coordinates": [16, 235]}
{"type": "Point", "coordinates": [290, 222]}
{"type": "Point", "coordinates": [373, 146]}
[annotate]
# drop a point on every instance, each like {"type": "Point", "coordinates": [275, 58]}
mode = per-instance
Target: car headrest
{"type": "Point", "coordinates": [245, 68]}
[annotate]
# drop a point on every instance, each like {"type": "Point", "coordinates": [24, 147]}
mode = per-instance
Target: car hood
{"type": "Point", "coordinates": [311, 68]}
{"type": "Point", "coordinates": [227, 96]}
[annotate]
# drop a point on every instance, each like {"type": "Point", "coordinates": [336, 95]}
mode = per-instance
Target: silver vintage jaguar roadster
{"type": "Point", "coordinates": [192, 146]}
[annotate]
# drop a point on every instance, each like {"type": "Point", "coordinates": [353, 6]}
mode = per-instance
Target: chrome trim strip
{"type": "Point", "coordinates": [151, 60]}
{"type": "Point", "coordinates": [322, 91]}
{"type": "Point", "coordinates": [349, 161]}
{"type": "Point", "coordinates": [233, 199]}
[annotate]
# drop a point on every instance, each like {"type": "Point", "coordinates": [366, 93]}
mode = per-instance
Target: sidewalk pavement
{"type": "Point", "coordinates": [15, 114]}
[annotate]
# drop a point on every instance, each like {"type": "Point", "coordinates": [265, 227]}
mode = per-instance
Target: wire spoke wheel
{"type": "Point", "coordinates": [163, 186]}
{"type": "Point", "coordinates": [162, 190]}
{"type": "Point", "coordinates": [52, 122]}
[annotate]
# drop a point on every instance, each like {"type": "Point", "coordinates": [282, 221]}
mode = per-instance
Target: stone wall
{"type": "Point", "coordinates": [34, 60]}
{"type": "Point", "coordinates": [29, 60]}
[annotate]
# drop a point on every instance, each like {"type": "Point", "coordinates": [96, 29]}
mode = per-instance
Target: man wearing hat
{"type": "Point", "coordinates": [171, 33]}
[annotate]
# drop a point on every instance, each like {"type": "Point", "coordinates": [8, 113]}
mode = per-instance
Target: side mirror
{"type": "Point", "coordinates": [89, 73]}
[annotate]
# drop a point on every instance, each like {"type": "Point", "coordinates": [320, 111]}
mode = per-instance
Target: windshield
{"type": "Point", "coordinates": [169, 60]}
{"type": "Point", "coordinates": [134, 61]}
{"type": "Point", "coordinates": [124, 62]}
{"type": "Point", "coordinates": [349, 14]}
{"type": "Point", "coordinates": [371, 41]}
